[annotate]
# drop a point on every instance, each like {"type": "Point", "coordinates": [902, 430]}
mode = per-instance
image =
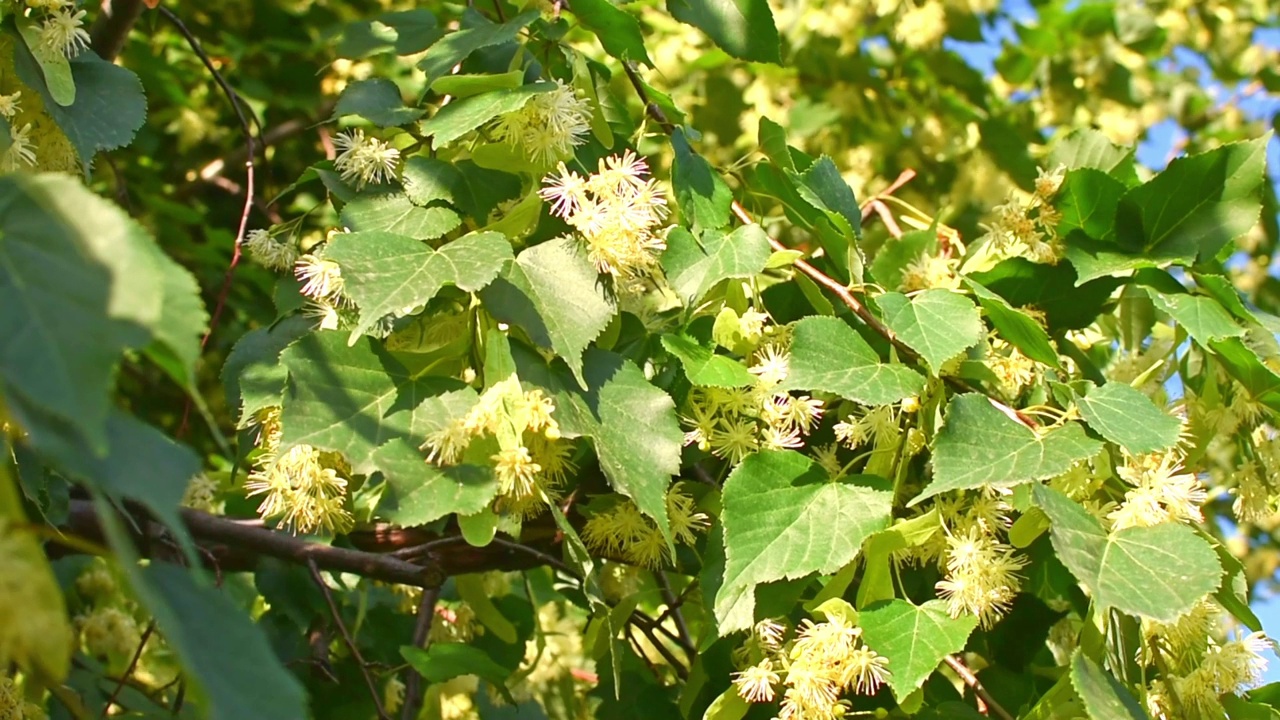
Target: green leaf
{"type": "Point", "coordinates": [939, 324]}
{"type": "Point", "coordinates": [1196, 205]}
{"type": "Point", "coordinates": [1243, 364]}
{"type": "Point", "coordinates": [1068, 301]}
{"type": "Point", "coordinates": [980, 445]}
{"type": "Point", "coordinates": [385, 273]}
{"type": "Point", "coordinates": [445, 660]}
{"type": "Point", "coordinates": [1104, 697]}
{"type": "Point", "coordinates": [1156, 572]}
{"type": "Point", "coordinates": [109, 107]}
{"type": "Point", "coordinates": [636, 432]}
{"type": "Point", "coordinates": [1088, 201]}
{"type": "Point", "coordinates": [253, 376]}
{"type": "Point", "coordinates": [693, 267]}
{"type": "Point", "coordinates": [779, 508]}
{"type": "Point", "coordinates": [705, 368]}
{"type": "Point", "coordinates": [462, 116]}
{"type": "Point", "coordinates": [742, 28]}
{"type": "Point", "coordinates": [352, 399]}
{"type": "Point", "coordinates": [701, 193]}
{"type": "Point", "coordinates": [1016, 327]}
{"type": "Point", "coordinates": [829, 356]}
{"type": "Point", "coordinates": [461, 86]}
{"type": "Point", "coordinates": [897, 253]}
{"type": "Point", "coordinates": [376, 100]}
{"type": "Point", "coordinates": [1204, 318]}
{"type": "Point", "coordinates": [553, 293]}
{"type": "Point", "coordinates": [1128, 418]}
{"type": "Point", "coordinates": [1089, 148]}
{"type": "Point", "coordinates": [728, 705]}
{"type": "Point", "coordinates": [183, 319]}
{"type": "Point", "coordinates": [224, 651]}
{"type": "Point", "coordinates": [419, 492]}
{"type": "Point", "coordinates": [428, 179]}
{"type": "Point", "coordinates": [913, 639]}
{"type": "Point", "coordinates": [618, 31]}
{"type": "Point", "coordinates": [822, 186]}
{"type": "Point", "coordinates": [79, 284]}
{"type": "Point", "coordinates": [395, 213]}
{"type": "Point", "coordinates": [54, 66]}
{"type": "Point", "coordinates": [455, 47]}
{"type": "Point", "coordinates": [406, 33]}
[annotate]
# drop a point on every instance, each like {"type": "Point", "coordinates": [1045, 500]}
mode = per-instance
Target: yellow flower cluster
{"type": "Point", "coordinates": [825, 661]}
{"type": "Point", "coordinates": [1201, 670]}
{"type": "Point", "coordinates": [617, 212]}
{"type": "Point", "coordinates": [303, 486]}
{"type": "Point", "coordinates": [549, 126]}
{"type": "Point", "coordinates": [36, 142]}
{"type": "Point", "coordinates": [1015, 370]}
{"type": "Point", "coordinates": [362, 160]}
{"type": "Point", "coordinates": [622, 531]}
{"type": "Point", "coordinates": [931, 270]}
{"type": "Point", "coordinates": [14, 707]}
{"type": "Point", "coordinates": [1161, 491]}
{"type": "Point", "coordinates": [270, 250]}
{"type": "Point", "coordinates": [982, 576]}
{"type": "Point", "coordinates": [1030, 229]}
{"type": "Point", "coordinates": [532, 461]}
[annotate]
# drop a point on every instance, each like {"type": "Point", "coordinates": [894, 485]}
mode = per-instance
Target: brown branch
{"type": "Point", "coordinates": [974, 684]}
{"type": "Point", "coordinates": [111, 28]}
{"type": "Point", "coordinates": [415, 686]}
{"type": "Point", "coordinates": [673, 609]}
{"type": "Point", "coordinates": [238, 106]}
{"type": "Point", "coordinates": [646, 626]}
{"type": "Point", "coordinates": [133, 664]}
{"type": "Point", "coordinates": [318, 579]}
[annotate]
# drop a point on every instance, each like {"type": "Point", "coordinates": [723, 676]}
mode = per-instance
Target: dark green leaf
{"type": "Point", "coordinates": [1202, 317]}
{"type": "Point", "coordinates": [979, 445]}
{"type": "Point", "coordinates": [1088, 200]}
{"type": "Point", "coordinates": [428, 179]}
{"type": "Point", "coordinates": [405, 33]}
{"type": "Point", "coordinates": [937, 323]}
{"type": "Point", "coordinates": [352, 399]}
{"type": "Point", "coordinates": [253, 376]}
{"type": "Point", "coordinates": [1128, 418]}
{"type": "Point", "coordinates": [701, 193]}
{"type": "Point", "coordinates": [1103, 695]}
{"type": "Point", "coordinates": [1156, 572]}
{"type": "Point", "coordinates": [376, 100]}
{"type": "Point", "coordinates": [445, 660]}
{"type": "Point", "coordinates": [455, 47]}
{"type": "Point", "coordinates": [829, 356]}
{"type": "Point", "coordinates": [395, 213]}
{"type": "Point", "coordinates": [1196, 205]}
{"type": "Point", "coordinates": [385, 272]}
{"type": "Point", "coordinates": [225, 652]}
{"type": "Point", "coordinates": [779, 508]}
{"type": "Point", "coordinates": [913, 639]}
{"type": "Point", "coordinates": [462, 116]}
{"type": "Point", "coordinates": [553, 293]}
{"type": "Point", "coordinates": [693, 267]}
{"type": "Point", "coordinates": [703, 367]}
{"type": "Point", "coordinates": [617, 30]}
{"type": "Point", "coordinates": [1016, 327]}
{"type": "Point", "coordinates": [79, 284]}
{"type": "Point", "coordinates": [742, 28]}
{"type": "Point", "coordinates": [419, 492]}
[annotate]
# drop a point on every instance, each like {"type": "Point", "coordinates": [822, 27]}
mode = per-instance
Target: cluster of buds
{"type": "Point", "coordinates": [1029, 229]}
{"type": "Point", "coordinates": [303, 486]}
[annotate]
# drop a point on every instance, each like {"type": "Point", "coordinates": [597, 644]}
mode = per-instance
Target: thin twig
{"type": "Point", "coordinates": [133, 664]}
{"type": "Point", "coordinates": [415, 685]}
{"type": "Point", "coordinates": [665, 652]}
{"type": "Point", "coordinates": [238, 106]}
{"type": "Point", "coordinates": [346, 637]}
{"type": "Point", "coordinates": [673, 609]}
{"type": "Point", "coordinates": [974, 684]}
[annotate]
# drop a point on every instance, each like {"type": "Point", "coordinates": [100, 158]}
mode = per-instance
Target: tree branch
{"type": "Point", "coordinates": [972, 681]}
{"type": "Point", "coordinates": [111, 28]}
{"type": "Point", "coordinates": [415, 686]}
{"type": "Point", "coordinates": [318, 579]}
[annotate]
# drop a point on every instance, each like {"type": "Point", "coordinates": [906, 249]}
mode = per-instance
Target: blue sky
{"type": "Point", "coordinates": [1154, 152]}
